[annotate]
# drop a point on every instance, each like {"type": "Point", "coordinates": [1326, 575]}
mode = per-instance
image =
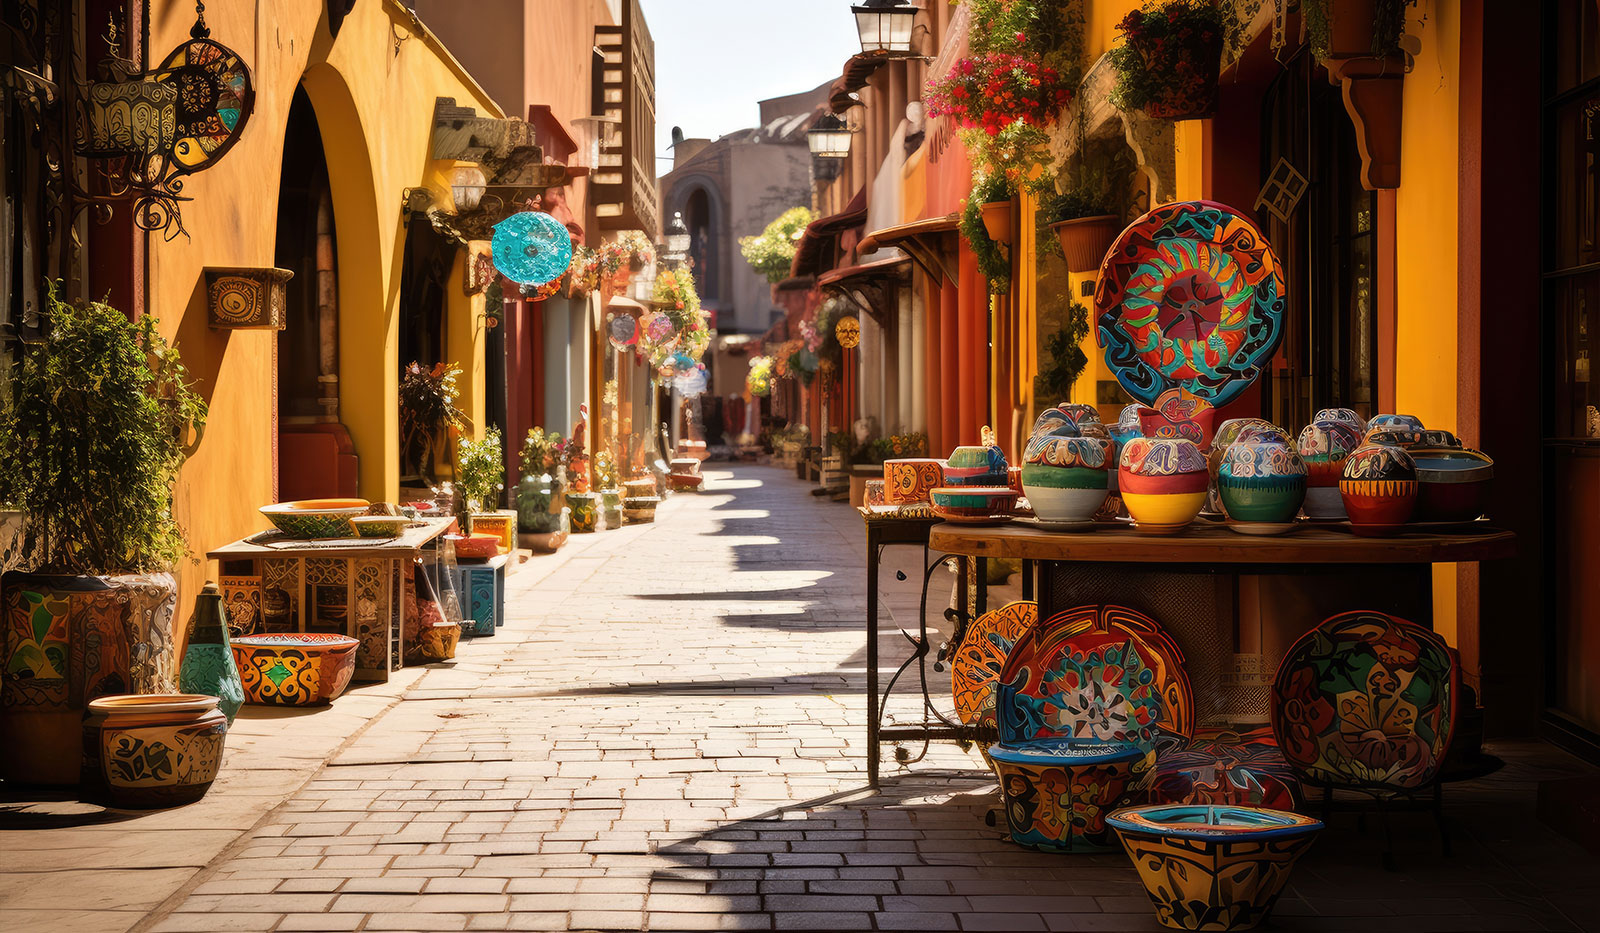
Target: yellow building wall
{"type": "Point", "coordinates": [373, 91]}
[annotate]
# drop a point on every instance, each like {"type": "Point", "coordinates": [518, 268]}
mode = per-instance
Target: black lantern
{"type": "Point", "coordinates": [885, 25]}
{"type": "Point", "coordinates": [829, 138]}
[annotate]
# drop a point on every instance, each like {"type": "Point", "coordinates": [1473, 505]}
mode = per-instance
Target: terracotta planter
{"type": "Point", "coordinates": [295, 669]}
{"type": "Point", "coordinates": [67, 641]}
{"type": "Point", "coordinates": [142, 752]}
{"type": "Point", "coordinates": [1085, 240]}
{"type": "Point", "coordinates": [1191, 68]}
{"type": "Point", "coordinates": [997, 220]}
{"type": "Point", "coordinates": [1351, 24]}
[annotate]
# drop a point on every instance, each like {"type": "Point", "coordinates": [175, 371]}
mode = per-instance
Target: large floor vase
{"type": "Point", "coordinates": [1213, 867]}
{"type": "Point", "coordinates": [143, 752]}
{"type": "Point", "coordinates": [69, 640]}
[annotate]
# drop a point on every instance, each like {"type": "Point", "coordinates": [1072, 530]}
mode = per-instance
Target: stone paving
{"type": "Point", "coordinates": [668, 735]}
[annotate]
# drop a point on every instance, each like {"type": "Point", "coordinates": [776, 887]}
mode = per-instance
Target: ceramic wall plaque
{"type": "Point", "coordinates": [239, 298]}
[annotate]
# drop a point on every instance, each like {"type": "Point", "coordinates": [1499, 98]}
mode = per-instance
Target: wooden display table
{"type": "Point", "coordinates": [350, 586]}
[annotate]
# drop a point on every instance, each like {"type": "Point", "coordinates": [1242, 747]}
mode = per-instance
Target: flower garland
{"type": "Point", "coordinates": [996, 89]}
{"type": "Point", "coordinates": [632, 249]}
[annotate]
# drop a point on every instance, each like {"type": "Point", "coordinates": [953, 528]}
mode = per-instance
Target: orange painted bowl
{"type": "Point", "coordinates": [908, 481]}
{"type": "Point", "coordinates": [476, 546]}
{"type": "Point", "coordinates": [316, 518]}
{"type": "Point", "coordinates": [294, 668]}
{"type": "Point", "coordinates": [974, 504]}
{"type": "Point", "coordinates": [149, 751]}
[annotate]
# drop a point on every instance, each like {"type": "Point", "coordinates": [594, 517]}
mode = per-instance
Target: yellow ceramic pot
{"type": "Point", "coordinates": [1164, 508]}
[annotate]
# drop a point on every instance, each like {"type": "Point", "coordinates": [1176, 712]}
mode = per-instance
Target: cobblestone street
{"type": "Point", "coordinates": [669, 735]}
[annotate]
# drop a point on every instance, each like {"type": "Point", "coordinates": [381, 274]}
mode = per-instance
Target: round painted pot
{"type": "Point", "coordinates": [1393, 437]}
{"type": "Point", "coordinates": [973, 503]}
{"type": "Point", "coordinates": [1453, 483]}
{"type": "Point", "coordinates": [585, 511]}
{"type": "Point", "coordinates": [1067, 477]}
{"type": "Point", "coordinates": [439, 640]}
{"type": "Point", "coordinates": [1388, 422]}
{"type": "Point", "coordinates": [1058, 791]}
{"type": "Point", "coordinates": [1213, 867]}
{"type": "Point", "coordinates": [1325, 444]}
{"type": "Point", "coordinates": [295, 668]}
{"type": "Point", "coordinates": [1221, 440]}
{"type": "Point", "coordinates": [1347, 416]}
{"type": "Point", "coordinates": [1163, 480]}
{"type": "Point", "coordinates": [158, 750]}
{"type": "Point", "coordinates": [1379, 488]}
{"type": "Point", "coordinates": [976, 466]}
{"type": "Point", "coordinates": [1262, 479]}
{"type": "Point", "coordinates": [908, 481]}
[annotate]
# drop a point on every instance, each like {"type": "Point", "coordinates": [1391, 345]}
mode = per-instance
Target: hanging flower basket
{"type": "Point", "coordinates": [1191, 66]}
{"type": "Point", "coordinates": [1085, 240]}
{"type": "Point", "coordinates": [997, 220]}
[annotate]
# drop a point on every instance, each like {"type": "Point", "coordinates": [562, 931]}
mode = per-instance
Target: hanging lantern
{"type": "Point", "coordinates": [531, 247]}
{"type": "Point", "coordinates": [848, 332]}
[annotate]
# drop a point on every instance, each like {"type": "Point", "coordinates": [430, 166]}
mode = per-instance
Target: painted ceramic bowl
{"type": "Point", "coordinates": [475, 546]}
{"type": "Point", "coordinates": [1344, 416]}
{"type": "Point", "coordinates": [1067, 476]}
{"type": "Point", "coordinates": [681, 482]}
{"type": "Point", "coordinates": [1227, 432]}
{"type": "Point", "coordinates": [1213, 867]}
{"type": "Point", "coordinates": [1453, 483]}
{"type": "Point", "coordinates": [316, 518]}
{"type": "Point", "coordinates": [1393, 437]}
{"type": "Point", "coordinates": [1058, 791]}
{"type": "Point", "coordinates": [1388, 422]}
{"type": "Point", "coordinates": [294, 669]}
{"type": "Point", "coordinates": [1262, 479]}
{"type": "Point", "coordinates": [976, 466]}
{"type": "Point", "coordinates": [908, 481]}
{"type": "Point", "coordinates": [159, 750]}
{"type": "Point", "coordinates": [379, 526]}
{"type": "Point", "coordinates": [1163, 480]}
{"type": "Point", "coordinates": [974, 504]}
{"type": "Point", "coordinates": [1379, 488]}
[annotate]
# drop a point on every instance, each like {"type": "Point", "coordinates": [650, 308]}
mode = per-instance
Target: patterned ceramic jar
{"type": "Point", "coordinates": [906, 482]}
{"type": "Point", "coordinates": [1262, 479]}
{"type": "Point", "coordinates": [159, 750]}
{"type": "Point", "coordinates": [1126, 429]}
{"type": "Point", "coordinates": [1379, 488]}
{"type": "Point", "coordinates": [1057, 792]}
{"type": "Point", "coordinates": [1225, 435]}
{"type": "Point", "coordinates": [1163, 481]}
{"type": "Point", "coordinates": [1394, 422]}
{"type": "Point", "coordinates": [1325, 444]}
{"type": "Point", "coordinates": [873, 494]}
{"type": "Point", "coordinates": [983, 465]}
{"type": "Point", "coordinates": [1344, 415]}
{"type": "Point", "coordinates": [974, 504]}
{"type": "Point", "coordinates": [1066, 475]}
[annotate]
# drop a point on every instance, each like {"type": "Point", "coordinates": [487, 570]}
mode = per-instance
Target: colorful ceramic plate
{"type": "Point", "coordinates": [1190, 297]}
{"type": "Point", "coordinates": [975, 669]}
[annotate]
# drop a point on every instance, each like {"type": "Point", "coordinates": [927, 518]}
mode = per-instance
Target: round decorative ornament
{"type": "Point", "coordinates": [848, 332]}
{"type": "Point", "coordinates": [623, 331]}
{"type": "Point", "coordinates": [658, 328]}
{"type": "Point", "coordinates": [215, 98]}
{"type": "Point", "coordinates": [531, 247]}
{"type": "Point", "coordinates": [1190, 297]}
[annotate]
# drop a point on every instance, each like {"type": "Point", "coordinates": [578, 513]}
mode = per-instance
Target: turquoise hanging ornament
{"type": "Point", "coordinates": [531, 248]}
{"type": "Point", "coordinates": [208, 665]}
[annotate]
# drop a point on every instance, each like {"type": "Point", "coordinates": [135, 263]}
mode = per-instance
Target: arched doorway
{"type": "Point", "coordinates": [700, 218]}
{"type": "Point", "coordinates": [316, 457]}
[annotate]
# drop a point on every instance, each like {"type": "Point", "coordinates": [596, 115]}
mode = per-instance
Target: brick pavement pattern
{"type": "Point", "coordinates": [668, 735]}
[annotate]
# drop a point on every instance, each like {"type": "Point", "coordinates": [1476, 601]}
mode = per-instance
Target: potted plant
{"type": "Point", "coordinates": [605, 471]}
{"type": "Point", "coordinates": [97, 427]}
{"type": "Point", "coordinates": [1084, 222]}
{"type": "Point", "coordinates": [427, 414]}
{"type": "Point", "coordinates": [1168, 61]}
{"type": "Point", "coordinates": [481, 475]}
{"type": "Point", "coordinates": [1339, 29]}
{"type": "Point", "coordinates": [976, 217]}
{"type": "Point", "coordinates": [541, 496]}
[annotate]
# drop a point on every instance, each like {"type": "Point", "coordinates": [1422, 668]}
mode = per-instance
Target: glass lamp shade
{"type": "Point", "coordinates": [885, 25]}
{"type": "Point", "coordinates": [467, 185]}
{"type": "Point", "coordinates": [829, 138]}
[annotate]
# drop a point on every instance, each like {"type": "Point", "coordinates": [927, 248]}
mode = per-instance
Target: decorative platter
{"type": "Point", "coordinates": [975, 669]}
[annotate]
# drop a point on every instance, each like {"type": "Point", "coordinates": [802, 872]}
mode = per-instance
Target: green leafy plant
{"type": "Point", "coordinates": [1388, 25]}
{"type": "Point", "coordinates": [1067, 360]}
{"type": "Point", "coordinates": [1089, 198]}
{"type": "Point", "coordinates": [543, 452]}
{"type": "Point", "coordinates": [992, 262]}
{"type": "Point", "coordinates": [90, 445]}
{"type": "Point", "coordinates": [1154, 71]}
{"type": "Point", "coordinates": [481, 470]}
{"type": "Point", "coordinates": [427, 411]}
{"type": "Point", "coordinates": [771, 252]}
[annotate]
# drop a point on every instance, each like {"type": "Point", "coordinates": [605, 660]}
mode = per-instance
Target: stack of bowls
{"type": "Point", "coordinates": [1163, 482]}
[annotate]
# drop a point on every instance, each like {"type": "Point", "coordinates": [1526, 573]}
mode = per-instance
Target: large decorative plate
{"type": "Point", "coordinates": [214, 101]}
{"type": "Point", "coordinates": [1366, 699]}
{"type": "Point", "coordinates": [1096, 672]}
{"type": "Point", "coordinates": [1190, 297]}
{"type": "Point", "coordinates": [975, 670]}
{"type": "Point", "coordinates": [531, 247]}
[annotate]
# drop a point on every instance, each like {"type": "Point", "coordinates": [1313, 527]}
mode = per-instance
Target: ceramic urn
{"type": "Point", "coordinates": [1262, 479]}
{"type": "Point", "coordinates": [1067, 468]}
{"type": "Point", "coordinates": [1345, 415]}
{"type": "Point", "coordinates": [1324, 445]}
{"type": "Point", "coordinates": [1379, 488]}
{"type": "Point", "coordinates": [1163, 481]}
{"type": "Point", "coordinates": [1225, 435]}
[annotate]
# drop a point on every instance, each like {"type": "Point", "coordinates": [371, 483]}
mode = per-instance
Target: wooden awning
{"type": "Point", "coordinates": [811, 255]}
{"type": "Point", "coordinates": [866, 285]}
{"type": "Point", "coordinates": [930, 243]}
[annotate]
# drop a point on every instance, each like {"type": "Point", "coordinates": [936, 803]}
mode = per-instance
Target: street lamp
{"type": "Point", "coordinates": [885, 25]}
{"type": "Point", "coordinates": [829, 138]}
{"type": "Point", "coordinates": [678, 240]}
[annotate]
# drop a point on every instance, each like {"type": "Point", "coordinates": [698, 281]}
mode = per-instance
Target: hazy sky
{"type": "Point", "coordinates": [716, 58]}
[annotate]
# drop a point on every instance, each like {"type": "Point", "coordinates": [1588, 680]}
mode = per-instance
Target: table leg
{"type": "Point", "coordinates": [1027, 580]}
{"type": "Point", "coordinates": [873, 556]}
{"type": "Point", "coordinates": [981, 586]}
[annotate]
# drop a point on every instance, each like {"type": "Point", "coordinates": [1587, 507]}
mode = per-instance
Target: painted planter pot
{"type": "Point", "coordinates": [1347, 416]}
{"type": "Point", "coordinates": [910, 480]}
{"type": "Point", "coordinates": [682, 482]}
{"type": "Point", "coordinates": [974, 504]}
{"type": "Point", "coordinates": [1067, 476]}
{"type": "Point", "coordinates": [1379, 488]}
{"type": "Point", "coordinates": [502, 523]}
{"type": "Point", "coordinates": [1163, 480]}
{"type": "Point", "coordinates": [1213, 867]}
{"type": "Point", "coordinates": [1452, 483]}
{"type": "Point", "coordinates": [295, 669]}
{"type": "Point", "coordinates": [640, 509]}
{"type": "Point", "coordinates": [439, 640]}
{"type": "Point", "coordinates": [1058, 791]}
{"type": "Point", "coordinates": [585, 511]}
{"type": "Point", "coordinates": [976, 466]}
{"type": "Point", "coordinates": [143, 752]}
{"type": "Point", "coordinates": [1262, 479]}
{"type": "Point", "coordinates": [1325, 444]}
{"type": "Point", "coordinates": [1226, 434]}
{"type": "Point", "coordinates": [316, 518]}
